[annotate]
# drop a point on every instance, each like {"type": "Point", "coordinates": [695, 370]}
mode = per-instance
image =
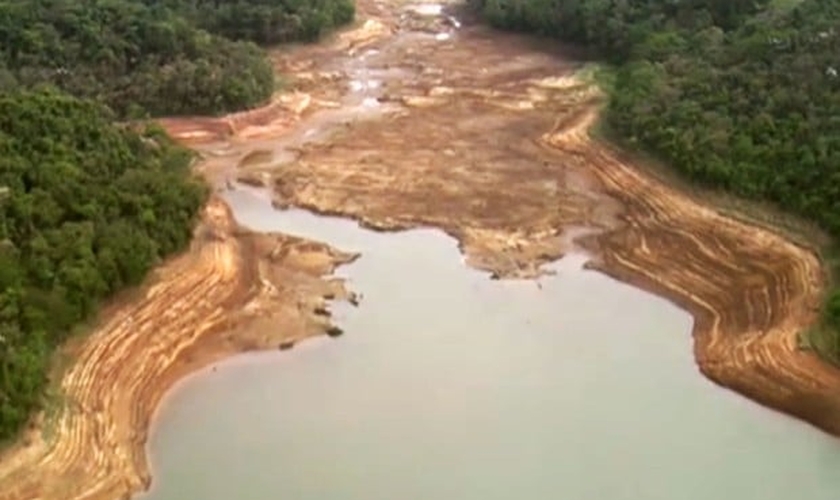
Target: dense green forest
{"type": "Point", "coordinates": [265, 21]}
{"type": "Point", "coordinates": [739, 95]}
{"type": "Point", "coordinates": [86, 208]}
{"type": "Point", "coordinates": [156, 57]}
{"type": "Point", "coordinates": [135, 58]}
{"type": "Point", "coordinates": [87, 203]}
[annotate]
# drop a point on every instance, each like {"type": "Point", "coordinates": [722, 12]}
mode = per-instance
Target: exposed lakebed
{"type": "Point", "coordinates": [446, 385]}
{"type": "Point", "coordinates": [449, 385]}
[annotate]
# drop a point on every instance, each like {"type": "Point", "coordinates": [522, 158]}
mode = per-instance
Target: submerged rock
{"type": "Point", "coordinates": [286, 345]}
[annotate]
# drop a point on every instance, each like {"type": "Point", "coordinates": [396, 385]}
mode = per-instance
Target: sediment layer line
{"type": "Point", "coordinates": [750, 290]}
{"type": "Point", "coordinates": [198, 310]}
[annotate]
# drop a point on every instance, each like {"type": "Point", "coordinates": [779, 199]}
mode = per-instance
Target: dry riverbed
{"type": "Point", "coordinates": [411, 119]}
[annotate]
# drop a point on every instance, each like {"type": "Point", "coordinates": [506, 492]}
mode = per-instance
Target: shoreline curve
{"type": "Point", "coordinates": [749, 289]}
{"type": "Point", "coordinates": [233, 291]}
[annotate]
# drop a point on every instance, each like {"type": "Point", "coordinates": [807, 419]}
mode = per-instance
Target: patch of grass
{"type": "Point", "coordinates": [822, 340]}
{"type": "Point", "coordinates": [55, 401]}
{"type": "Point", "coordinates": [601, 75]}
{"type": "Point", "coordinates": [281, 83]}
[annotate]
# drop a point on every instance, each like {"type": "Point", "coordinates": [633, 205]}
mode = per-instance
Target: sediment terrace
{"type": "Point", "coordinates": [480, 134]}
{"type": "Point", "coordinates": [751, 292]}
{"type": "Point", "coordinates": [234, 291]}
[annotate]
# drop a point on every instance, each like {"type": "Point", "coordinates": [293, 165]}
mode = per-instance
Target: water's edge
{"type": "Point", "coordinates": [408, 373]}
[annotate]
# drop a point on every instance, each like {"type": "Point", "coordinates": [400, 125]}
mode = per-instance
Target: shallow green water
{"type": "Point", "coordinates": [450, 386]}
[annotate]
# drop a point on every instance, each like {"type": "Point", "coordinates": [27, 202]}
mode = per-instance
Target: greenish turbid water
{"type": "Point", "coordinates": [450, 386]}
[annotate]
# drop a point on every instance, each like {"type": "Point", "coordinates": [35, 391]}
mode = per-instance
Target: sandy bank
{"type": "Point", "coordinates": [233, 291]}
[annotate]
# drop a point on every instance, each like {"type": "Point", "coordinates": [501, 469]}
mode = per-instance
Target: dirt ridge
{"type": "Point", "coordinates": [234, 291]}
{"type": "Point", "coordinates": [751, 291]}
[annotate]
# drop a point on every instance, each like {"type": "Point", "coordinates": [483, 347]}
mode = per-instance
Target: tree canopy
{"type": "Point", "coordinates": [170, 57]}
{"type": "Point", "coordinates": [88, 205]}
{"type": "Point", "coordinates": [740, 95]}
{"type": "Point", "coordinates": [265, 21]}
{"type": "Point", "coordinates": [133, 57]}
{"type": "Point", "coordinates": [86, 208]}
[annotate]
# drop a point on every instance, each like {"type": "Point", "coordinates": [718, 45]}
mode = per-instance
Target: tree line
{"type": "Point", "coordinates": [738, 95]}
{"type": "Point", "coordinates": [89, 204]}
{"type": "Point", "coordinates": [265, 21]}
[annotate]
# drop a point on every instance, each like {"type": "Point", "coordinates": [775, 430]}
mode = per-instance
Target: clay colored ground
{"type": "Point", "coordinates": [234, 291]}
{"type": "Point", "coordinates": [413, 120]}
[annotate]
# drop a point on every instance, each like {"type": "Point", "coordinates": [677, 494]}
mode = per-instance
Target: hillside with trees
{"type": "Point", "coordinates": [135, 58]}
{"type": "Point", "coordinates": [172, 57]}
{"type": "Point", "coordinates": [89, 204]}
{"type": "Point", "coordinates": [742, 96]}
{"type": "Point", "coordinates": [265, 21]}
{"type": "Point", "coordinates": [86, 208]}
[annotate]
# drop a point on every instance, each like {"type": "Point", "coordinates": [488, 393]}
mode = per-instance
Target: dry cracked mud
{"type": "Point", "coordinates": [407, 120]}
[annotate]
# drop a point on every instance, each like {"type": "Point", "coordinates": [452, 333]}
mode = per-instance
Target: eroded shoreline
{"type": "Point", "coordinates": [233, 291]}
{"type": "Point", "coordinates": [750, 291]}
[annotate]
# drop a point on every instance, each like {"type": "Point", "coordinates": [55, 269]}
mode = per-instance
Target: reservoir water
{"type": "Point", "coordinates": [450, 386]}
